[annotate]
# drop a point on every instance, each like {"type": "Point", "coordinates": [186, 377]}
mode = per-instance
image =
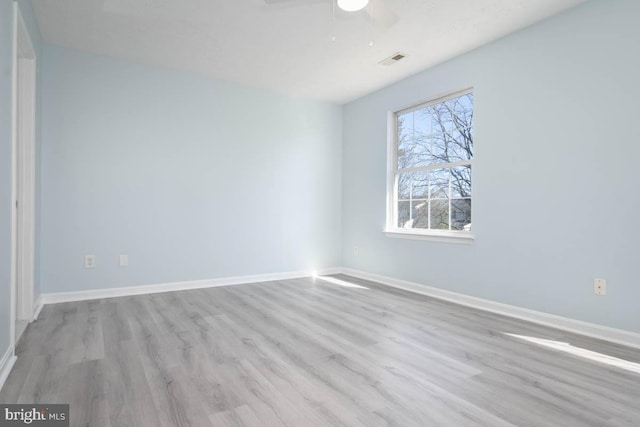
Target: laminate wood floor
{"type": "Point", "coordinates": [309, 352]}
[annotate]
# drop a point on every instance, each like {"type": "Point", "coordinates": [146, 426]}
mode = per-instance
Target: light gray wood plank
{"type": "Point", "coordinates": [307, 352]}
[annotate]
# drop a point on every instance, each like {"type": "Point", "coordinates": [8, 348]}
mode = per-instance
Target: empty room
{"type": "Point", "coordinates": [306, 213]}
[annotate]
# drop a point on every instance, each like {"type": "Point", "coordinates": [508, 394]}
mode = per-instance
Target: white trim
{"type": "Point", "coordinates": [393, 173]}
{"type": "Point", "coordinates": [616, 336]}
{"type": "Point", "coordinates": [435, 166]}
{"type": "Point", "coordinates": [14, 160]}
{"type": "Point", "coordinates": [459, 237]}
{"type": "Point", "coordinates": [6, 364]}
{"type": "Point", "coordinates": [434, 100]}
{"type": "Point", "coordinates": [54, 298]}
{"type": "Point", "coordinates": [26, 170]}
{"type": "Point", "coordinates": [392, 163]}
{"type": "Point", "coordinates": [23, 186]}
{"type": "Point", "coordinates": [37, 309]}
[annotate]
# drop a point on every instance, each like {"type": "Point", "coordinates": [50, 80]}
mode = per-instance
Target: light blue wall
{"type": "Point", "coordinates": [555, 178]}
{"type": "Point", "coordinates": [6, 64]}
{"type": "Point", "coordinates": [192, 178]}
{"type": "Point", "coordinates": [198, 179]}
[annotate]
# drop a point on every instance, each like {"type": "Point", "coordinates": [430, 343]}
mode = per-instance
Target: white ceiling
{"type": "Point", "coordinates": [286, 47]}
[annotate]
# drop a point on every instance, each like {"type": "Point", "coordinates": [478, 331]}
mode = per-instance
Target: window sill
{"type": "Point", "coordinates": [462, 238]}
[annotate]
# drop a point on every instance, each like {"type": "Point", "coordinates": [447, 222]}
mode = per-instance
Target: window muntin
{"type": "Point", "coordinates": [432, 170]}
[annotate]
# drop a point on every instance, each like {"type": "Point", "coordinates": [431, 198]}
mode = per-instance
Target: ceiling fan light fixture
{"type": "Point", "coordinates": [352, 5]}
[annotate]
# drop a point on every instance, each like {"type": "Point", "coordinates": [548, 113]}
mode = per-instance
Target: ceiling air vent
{"type": "Point", "coordinates": [392, 59]}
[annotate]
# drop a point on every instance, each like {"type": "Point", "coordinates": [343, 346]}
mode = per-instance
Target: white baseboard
{"type": "Point", "coordinates": [617, 336]}
{"type": "Point", "coordinates": [6, 364]}
{"type": "Point", "coordinates": [54, 298]}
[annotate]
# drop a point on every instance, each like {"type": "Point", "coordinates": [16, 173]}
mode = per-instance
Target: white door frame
{"type": "Point", "coordinates": [23, 175]}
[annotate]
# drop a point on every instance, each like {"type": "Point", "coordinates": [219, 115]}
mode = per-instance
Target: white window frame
{"type": "Point", "coordinates": [391, 227]}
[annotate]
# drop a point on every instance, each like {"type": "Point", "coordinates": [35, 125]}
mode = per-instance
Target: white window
{"type": "Point", "coordinates": [431, 153]}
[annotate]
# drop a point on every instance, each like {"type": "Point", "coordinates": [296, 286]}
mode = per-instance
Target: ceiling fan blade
{"type": "Point", "coordinates": [381, 15]}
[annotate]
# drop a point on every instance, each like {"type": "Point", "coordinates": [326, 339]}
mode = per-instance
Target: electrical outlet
{"type": "Point", "coordinates": [356, 250]}
{"type": "Point", "coordinates": [599, 286]}
{"type": "Point", "coordinates": [89, 261]}
{"type": "Point", "coordinates": [124, 260]}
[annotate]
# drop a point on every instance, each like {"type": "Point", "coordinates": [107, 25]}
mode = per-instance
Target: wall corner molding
{"type": "Point", "coordinates": [37, 308]}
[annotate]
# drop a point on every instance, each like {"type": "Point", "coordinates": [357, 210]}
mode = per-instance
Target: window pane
{"type": "Point", "coordinates": [440, 133]}
{"type": "Point", "coordinates": [439, 181]}
{"type": "Point", "coordinates": [404, 220]}
{"type": "Point", "coordinates": [460, 145]}
{"type": "Point", "coordinates": [423, 123]}
{"type": "Point", "coordinates": [441, 117]}
{"type": "Point", "coordinates": [418, 217]}
{"type": "Point", "coordinates": [413, 152]}
{"type": "Point", "coordinates": [413, 185]}
{"type": "Point", "coordinates": [416, 206]}
{"type": "Point", "coordinates": [461, 214]}
{"type": "Point", "coordinates": [439, 214]}
{"type": "Point", "coordinates": [451, 132]}
{"type": "Point", "coordinates": [463, 111]}
{"type": "Point", "coordinates": [461, 181]}
{"type": "Point", "coordinates": [452, 146]}
{"type": "Point", "coordinates": [433, 137]}
{"type": "Point", "coordinates": [420, 213]}
{"type": "Point", "coordinates": [413, 145]}
{"type": "Point", "coordinates": [443, 148]}
{"type": "Point", "coordinates": [439, 148]}
{"type": "Point", "coordinates": [405, 127]}
{"type": "Point", "coordinates": [404, 186]}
